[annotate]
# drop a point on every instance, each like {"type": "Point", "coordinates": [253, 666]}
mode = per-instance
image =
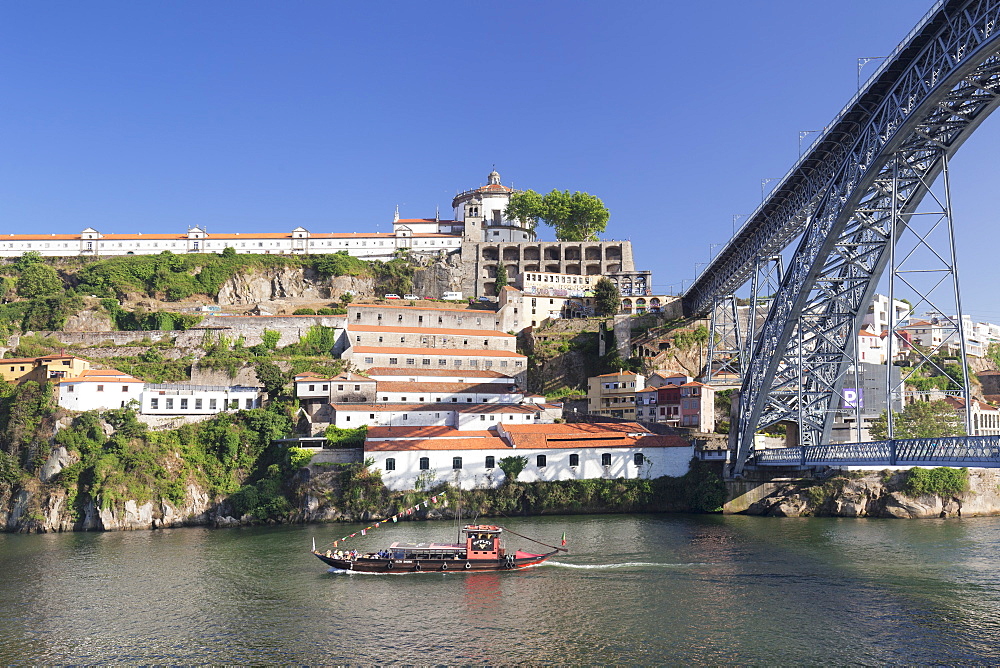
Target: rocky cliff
{"type": "Point", "coordinates": [289, 283]}
{"type": "Point", "coordinates": [879, 494]}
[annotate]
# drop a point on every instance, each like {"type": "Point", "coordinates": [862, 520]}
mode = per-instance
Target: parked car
{"type": "Point", "coordinates": [410, 297]}
{"type": "Point", "coordinates": [452, 296]}
{"type": "Point", "coordinates": [392, 296]}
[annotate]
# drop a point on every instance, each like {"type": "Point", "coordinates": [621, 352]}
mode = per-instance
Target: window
{"type": "Point", "coordinates": [483, 418]}
{"type": "Point", "coordinates": [357, 388]}
{"type": "Point", "coordinates": [312, 388]}
{"type": "Point", "coordinates": [410, 360]}
{"type": "Point", "coordinates": [638, 459]}
{"type": "Point", "coordinates": [184, 404]}
{"type": "Point", "coordinates": [425, 463]}
{"type": "Point", "coordinates": [212, 404]}
{"type": "Point", "coordinates": [326, 387]}
{"type": "Point", "coordinates": [124, 388]}
{"type": "Point", "coordinates": [371, 416]}
{"type": "Point", "coordinates": [169, 404]}
{"type": "Point", "coordinates": [249, 404]}
{"type": "Point", "coordinates": [393, 360]}
{"type": "Point", "coordinates": [456, 463]}
{"type": "Point", "coordinates": [390, 464]}
{"type": "Point", "coordinates": [540, 461]}
{"type": "Point", "coordinates": [491, 462]}
{"type": "Point", "coordinates": [197, 404]}
{"type": "Point", "coordinates": [606, 459]}
{"type": "Point", "coordinates": [574, 460]}
{"type": "Point", "coordinates": [154, 404]}
{"type": "Point", "coordinates": [384, 398]}
{"type": "Point", "coordinates": [100, 388]}
{"type": "Point", "coordinates": [371, 360]}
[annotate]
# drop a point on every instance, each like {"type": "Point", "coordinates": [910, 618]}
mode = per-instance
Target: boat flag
{"type": "Point", "coordinates": [376, 524]}
{"type": "Point", "coordinates": [395, 518]}
{"type": "Point", "coordinates": [335, 543]}
{"type": "Point", "coordinates": [434, 499]}
{"type": "Point", "coordinates": [364, 531]}
{"type": "Point", "coordinates": [564, 538]}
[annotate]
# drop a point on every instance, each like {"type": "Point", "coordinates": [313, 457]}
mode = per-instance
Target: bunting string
{"type": "Point", "coordinates": [395, 518]}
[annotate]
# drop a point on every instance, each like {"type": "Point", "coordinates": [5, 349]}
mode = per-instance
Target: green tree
{"type": "Point", "coordinates": [26, 260]}
{"type": "Point", "coordinates": [502, 280]}
{"type": "Point", "coordinates": [606, 297]}
{"type": "Point", "coordinates": [512, 467]}
{"type": "Point", "coordinates": [525, 208]}
{"type": "Point", "coordinates": [228, 251]}
{"type": "Point", "coordinates": [575, 217]}
{"type": "Point", "coordinates": [347, 298]}
{"type": "Point", "coordinates": [921, 419]}
{"type": "Point", "coordinates": [38, 280]}
{"type": "Point", "coordinates": [271, 377]}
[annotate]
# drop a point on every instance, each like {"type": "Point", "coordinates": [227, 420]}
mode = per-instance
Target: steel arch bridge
{"type": "Point", "coordinates": [845, 200]}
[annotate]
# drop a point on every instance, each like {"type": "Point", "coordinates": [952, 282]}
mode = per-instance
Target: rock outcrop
{"type": "Point", "coordinates": [877, 494]}
{"type": "Point", "coordinates": [291, 284]}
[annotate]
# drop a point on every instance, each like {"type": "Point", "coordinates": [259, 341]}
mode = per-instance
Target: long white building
{"type": "Point", "coordinates": [300, 241]}
{"type": "Point", "coordinates": [409, 459]}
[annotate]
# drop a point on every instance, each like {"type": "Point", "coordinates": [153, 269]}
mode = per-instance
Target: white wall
{"type": "Point", "coordinates": [90, 395]}
{"type": "Point", "coordinates": [658, 462]}
{"type": "Point", "coordinates": [196, 401]}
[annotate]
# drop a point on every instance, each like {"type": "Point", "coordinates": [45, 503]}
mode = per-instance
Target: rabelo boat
{"type": "Point", "coordinates": [483, 550]}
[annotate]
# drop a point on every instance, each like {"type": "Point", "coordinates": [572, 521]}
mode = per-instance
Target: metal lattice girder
{"type": "Point", "coordinates": [725, 341]}
{"type": "Point", "coordinates": [935, 90]}
{"type": "Point", "coordinates": [950, 37]}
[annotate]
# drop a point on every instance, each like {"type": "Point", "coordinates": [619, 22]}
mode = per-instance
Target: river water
{"type": "Point", "coordinates": [638, 589]}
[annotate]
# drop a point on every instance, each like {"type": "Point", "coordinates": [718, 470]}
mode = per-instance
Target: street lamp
{"type": "Point", "coordinates": [711, 249]}
{"type": "Point", "coordinates": [864, 61]}
{"type": "Point", "coordinates": [737, 216]}
{"type": "Point", "coordinates": [763, 184]}
{"type": "Point", "coordinates": [802, 135]}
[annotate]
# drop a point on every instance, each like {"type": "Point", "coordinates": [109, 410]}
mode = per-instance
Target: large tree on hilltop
{"type": "Point", "coordinates": [574, 216]}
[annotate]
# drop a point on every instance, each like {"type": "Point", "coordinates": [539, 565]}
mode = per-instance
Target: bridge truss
{"type": "Point", "coordinates": [847, 201]}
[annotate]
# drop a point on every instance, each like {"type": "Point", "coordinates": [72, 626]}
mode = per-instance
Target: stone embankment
{"type": "Point", "coordinates": [863, 494]}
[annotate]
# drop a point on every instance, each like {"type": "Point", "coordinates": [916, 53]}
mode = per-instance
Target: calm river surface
{"type": "Point", "coordinates": [649, 589]}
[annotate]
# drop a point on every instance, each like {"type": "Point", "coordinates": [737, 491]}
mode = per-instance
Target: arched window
{"type": "Point", "coordinates": [390, 464]}
{"type": "Point", "coordinates": [425, 463]}
{"type": "Point", "coordinates": [574, 460]}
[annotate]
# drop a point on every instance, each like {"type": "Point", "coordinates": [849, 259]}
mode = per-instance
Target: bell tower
{"type": "Point", "coordinates": [473, 219]}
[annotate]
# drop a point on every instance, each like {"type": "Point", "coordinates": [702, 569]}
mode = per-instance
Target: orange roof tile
{"type": "Point", "coordinates": [480, 443]}
{"type": "Point", "coordinates": [426, 330]}
{"type": "Point", "coordinates": [435, 351]}
{"type": "Point", "coordinates": [449, 373]}
{"type": "Point", "coordinates": [394, 433]}
{"type": "Point", "coordinates": [101, 376]}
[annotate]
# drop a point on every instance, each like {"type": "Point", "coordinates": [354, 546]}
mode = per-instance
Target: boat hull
{"type": "Point", "coordinates": [366, 565]}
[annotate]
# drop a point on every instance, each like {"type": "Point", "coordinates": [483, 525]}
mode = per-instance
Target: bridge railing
{"type": "Point", "coordinates": [944, 451]}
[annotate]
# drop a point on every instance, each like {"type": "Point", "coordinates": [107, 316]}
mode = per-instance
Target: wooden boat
{"type": "Point", "coordinates": [483, 550]}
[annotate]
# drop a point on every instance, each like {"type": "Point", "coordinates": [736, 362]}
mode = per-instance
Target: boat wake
{"type": "Point", "coordinates": [626, 564]}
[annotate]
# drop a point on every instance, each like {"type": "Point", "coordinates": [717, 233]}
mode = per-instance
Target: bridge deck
{"type": "Point", "coordinates": [977, 451]}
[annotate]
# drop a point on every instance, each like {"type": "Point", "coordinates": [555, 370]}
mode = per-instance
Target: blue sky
{"type": "Point", "coordinates": [264, 116]}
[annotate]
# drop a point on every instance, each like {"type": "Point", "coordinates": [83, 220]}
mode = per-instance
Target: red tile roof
{"type": "Point", "coordinates": [394, 433]}
{"type": "Point", "coordinates": [480, 443]}
{"type": "Point", "coordinates": [101, 376]}
{"type": "Point", "coordinates": [448, 373]}
{"type": "Point", "coordinates": [426, 330]}
{"type": "Point", "coordinates": [463, 352]}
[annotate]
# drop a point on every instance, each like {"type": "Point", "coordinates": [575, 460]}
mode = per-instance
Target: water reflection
{"type": "Point", "coordinates": [633, 589]}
